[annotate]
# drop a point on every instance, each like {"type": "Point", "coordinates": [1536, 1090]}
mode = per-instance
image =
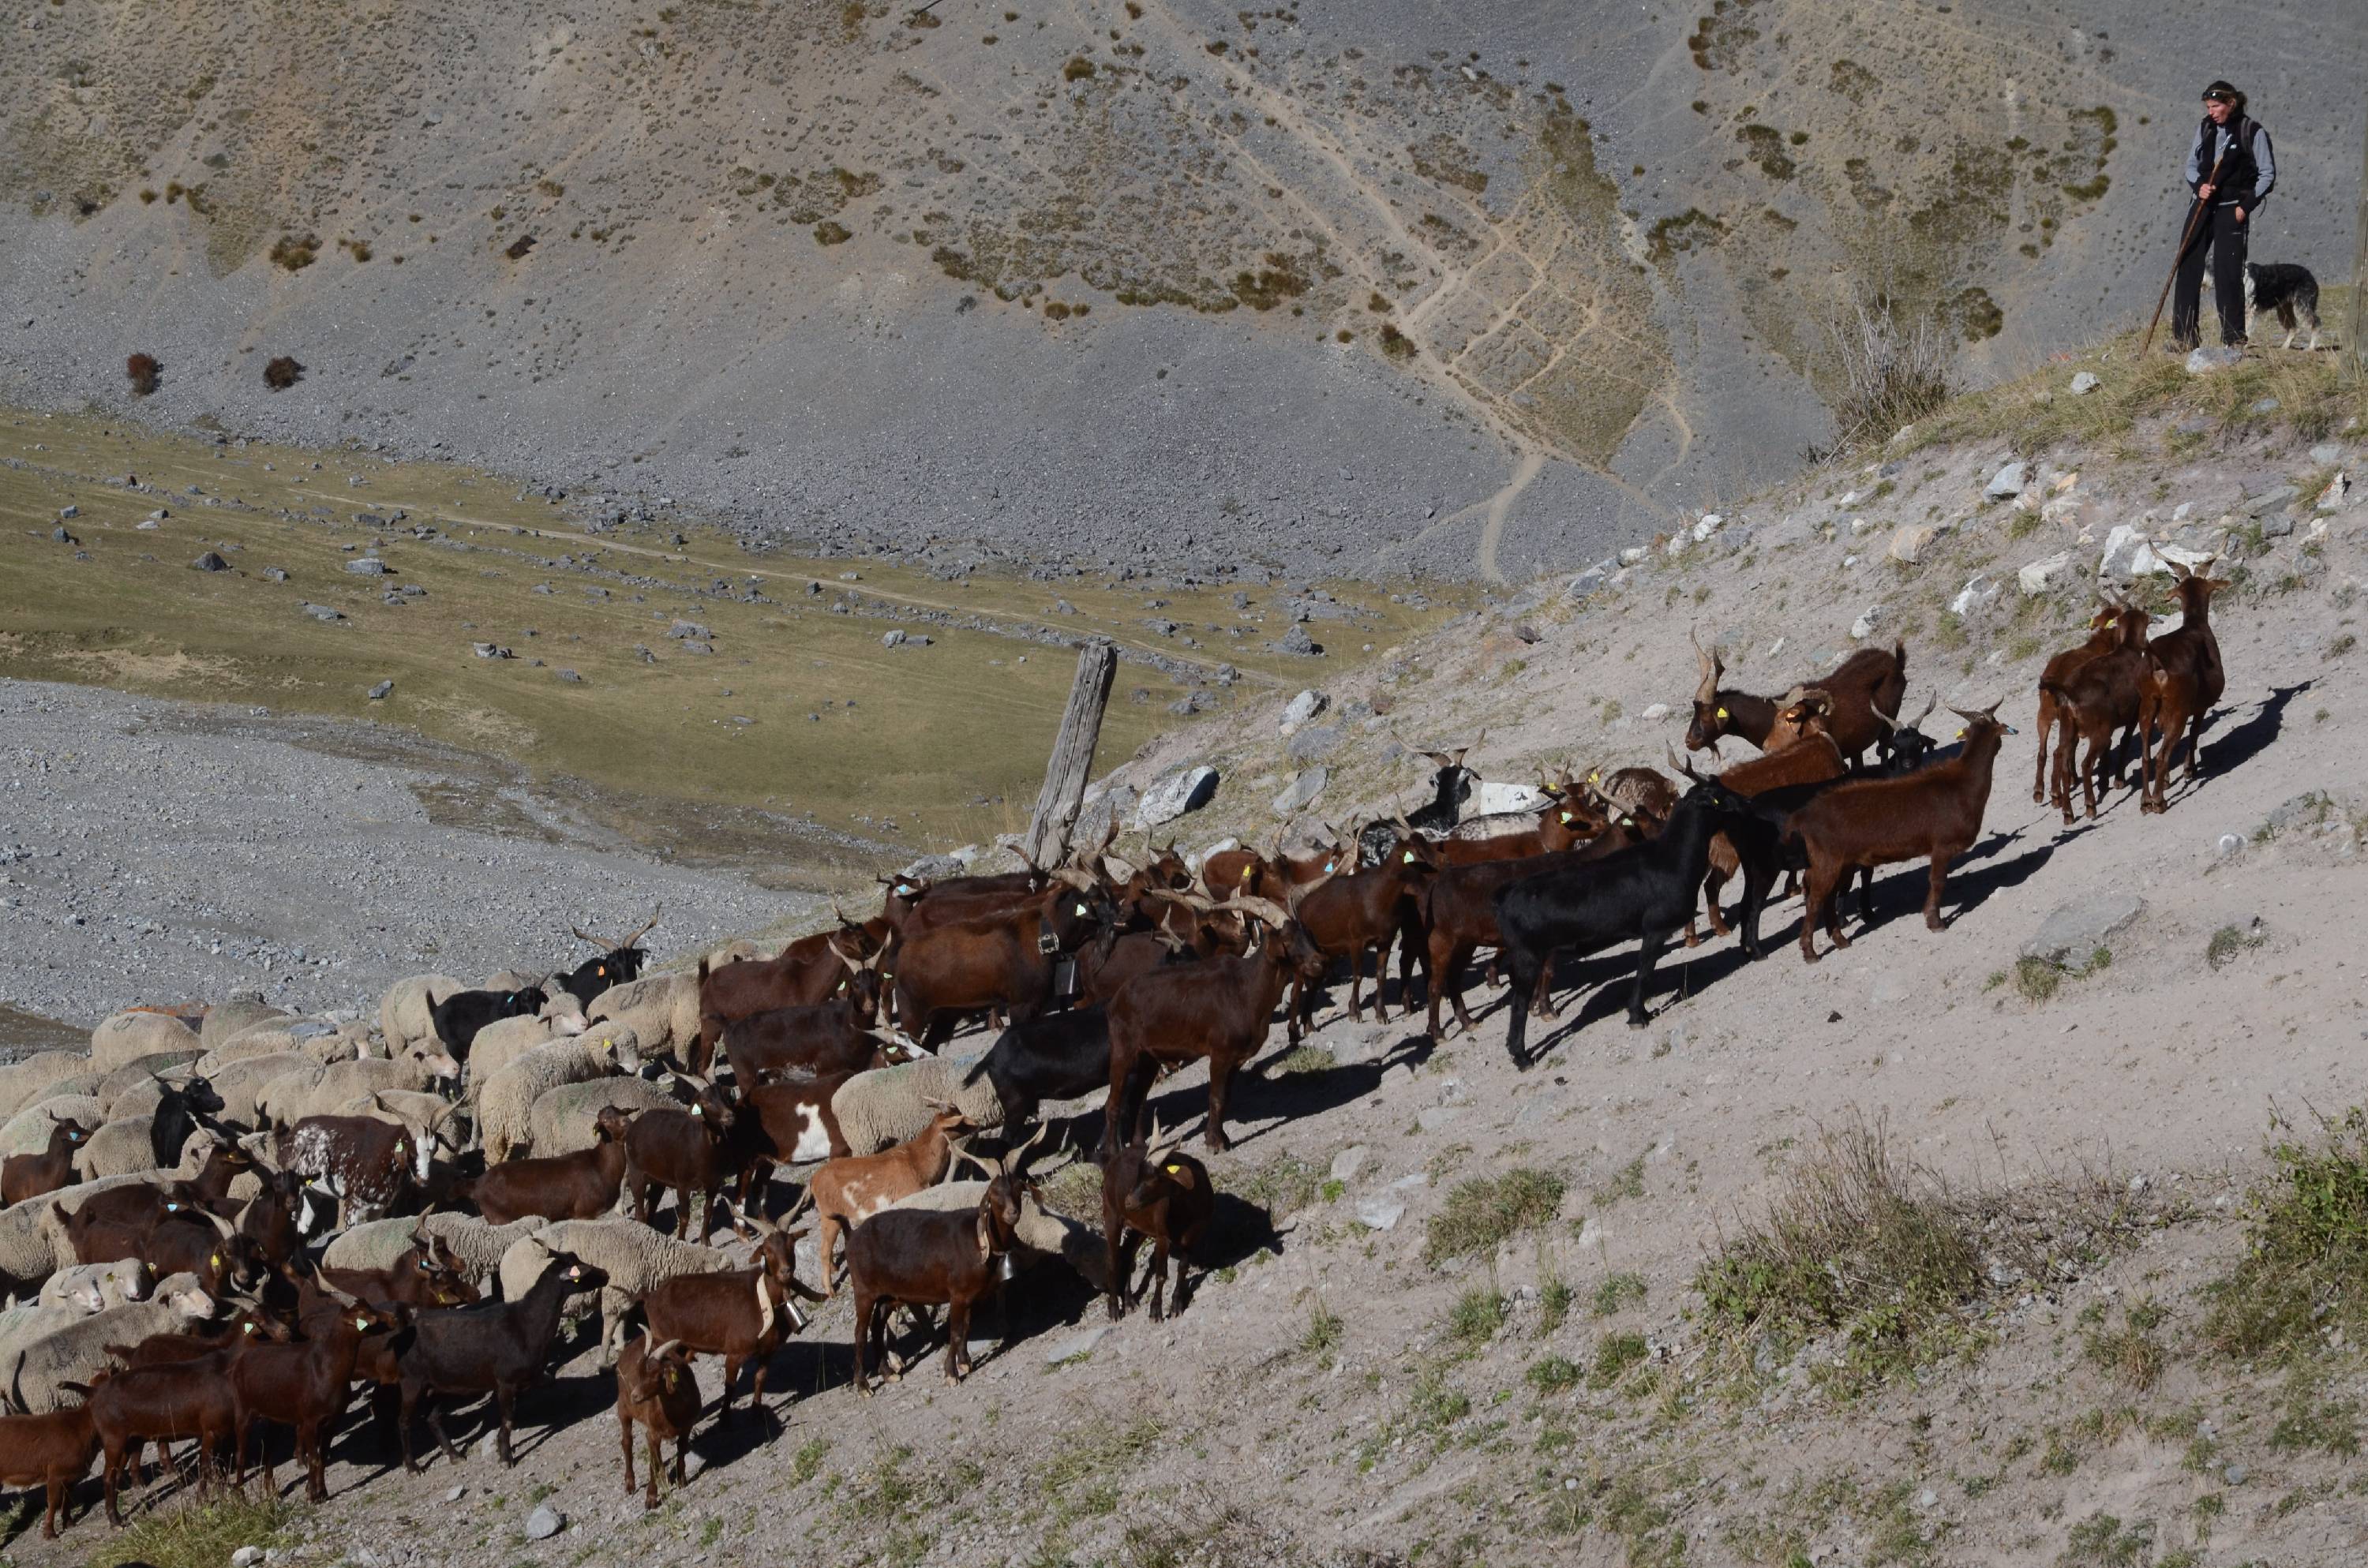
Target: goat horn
{"type": "Point", "coordinates": [965, 1154]}
{"type": "Point", "coordinates": [1264, 909]}
{"type": "Point", "coordinates": [1070, 877]}
{"type": "Point", "coordinates": [645, 928]}
{"type": "Point", "coordinates": [1708, 659]}
{"type": "Point", "coordinates": [582, 935]}
{"type": "Point", "coordinates": [1189, 900]}
{"type": "Point", "coordinates": [1930, 703]}
{"type": "Point", "coordinates": [658, 1352]}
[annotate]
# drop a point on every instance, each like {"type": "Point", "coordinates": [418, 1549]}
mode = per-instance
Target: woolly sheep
{"type": "Point", "coordinates": [1041, 1232]}
{"type": "Point", "coordinates": [128, 1036]}
{"type": "Point", "coordinates": [33, 1241]}
{"type": "Point", "coordinates": [94, 1287]}
{"type": "Point", "coordinates": [888, 1105]}
{"type": "Point", "coordinates": [240, 1082]}
{"type": "Point", "coordinates": [20, 1082]}
{"type": "Point", "coordinates": [82, 1085]}
{"type": "Point", "coordinates": [662, 1009]}
{"type": "Point", "coordinates": [316, 1039]}
{"type": "Point", "coordinates": [378, 1243]}
{"type": "Point", "coordinates": [28, 1132]}
{"type": "Point", "coordinates": [286, 1100]}
{"type": "Point", "coordinates": [734, 950]}
{"type": "Point", "coordinates": [502, 1042]}
{"type": "Point", "coordinates": [507, 1098]}
{"type": "Point", "coordinates": [76, 1352]}
{"type": "Point", "coordinates": [561, 1121]}
{"type": "Point", "coordinates": [404, 1019]}
{"type": "Point", "coordinates": [636, 1259]}
{"type": "Point", "coordinates": [126, 1146]}
{"type": "Point", "coordinates": [509, 980]}
{"type": "Point", "coordinates": [138, 1089]}
{"type": "Point", "coordinates": [225, 1021]}
{"type": "Point", "coordinates": [420, 1110]}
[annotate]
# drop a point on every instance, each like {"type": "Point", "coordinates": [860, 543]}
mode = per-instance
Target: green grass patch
{"type": "Point", "coordinates": [1553, 1374]}
{"type": "Point", "coordinates": [2306, 1266]}
{"type": "Point", "coordinates": [1477, 1315]}
{"type": "Point", "coordinates": [2228, 944]}
{"type": "Point", "coordinates": [190, 1535]}
{"type": "Point", "coordinates": [1614, 1355]}
{"type": "Point", "coordinates": [1284, 1184]}
{"type": "Point", "coordinates": [1617, 1291]}
{"type": "Point", "coordinates": [1481, 1213]}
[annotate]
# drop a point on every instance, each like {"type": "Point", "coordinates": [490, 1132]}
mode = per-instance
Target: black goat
{"type": "Point", "coordinates": [460, 1015]}
{"type": "Point", "coordinates": [1059, 1056]}
{"type": "Point", "coordinates": [496, 1348]}
{"type": "Point", "coordinates": [1451, 786]}
{"type": "Point", "coordinates": [180, 1110]}
{"type": "Point", "coordinates": [1645, 892]}
{"type": "Point", "coordinates": [620, 961]}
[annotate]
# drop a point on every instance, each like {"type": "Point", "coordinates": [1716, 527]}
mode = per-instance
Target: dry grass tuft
{"type": "Point", "coordinates": [1863, 1242]}
{"type": "Point", "coordinates": [191, 1536]}
{"type": "Point", "coordinates": [1891, 374]}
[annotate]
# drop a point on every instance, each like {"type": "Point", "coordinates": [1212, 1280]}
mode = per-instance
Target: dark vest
{"type": "Point", "coordinates": [2238, 173]}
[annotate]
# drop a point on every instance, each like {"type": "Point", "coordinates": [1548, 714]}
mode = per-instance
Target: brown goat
{"type": "Point", "coordinates": [1810, 757]}
{"type": "Point", "coordinates": [1218, 1009]}
{"type": "Point", "coordinates": [922, 1257]}
{"type": "Point", "coordinates": [425, 1274]}
{"type": "Point", "coordinates": [1357, 912]}
{"type": "Point", "coordinates": [740, 1314]}
{"type": "Point", "coordinates": [1935, 814]}
{"type": "Point", "coordinates": [806, 974]}
{"type": "Point", "coordinates": [2097, 698]}
{"type": "Point", "coordinates": [1153, 1188]}
{"type": "Point", "coordinates": [2184, 678]}
{"type": "Point", "coordinates": [36, 1175]}
{"type": "Point", "coordinates": [847, 1191]}
{"type": "Point", "coordinates": [580, 1186]}
{"type": "Point", "coordinates": [656, 1387]}
{"type": "Point", "coordinates": [51, 1451]}
{"type": "Point", "coordinates": [2104, 636]}
{"type": "Point", "coordinates": [1870, 681]}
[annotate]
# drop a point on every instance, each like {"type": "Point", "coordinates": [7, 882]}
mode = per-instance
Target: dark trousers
{"type": "Point", "coordinates": [2220, 235]}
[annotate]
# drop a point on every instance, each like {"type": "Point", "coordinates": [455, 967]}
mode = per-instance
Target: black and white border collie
{"type": "Point", "coordinates": [2285, 291]}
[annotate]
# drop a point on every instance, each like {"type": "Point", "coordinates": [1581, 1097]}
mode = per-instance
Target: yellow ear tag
{"type": "Point", "coordinates": [1722, 713]}
{"type": "Point", "coordinates": [1961, 734]}
{"type": "Point", "coordinates": [1595, 776]}
{"type": "Point", "coordinates": [1175, 1170]}
{"type": "Point", "coordinates": [1248, 871]}
{"type": "Point", "coordinates": [217, 1260]}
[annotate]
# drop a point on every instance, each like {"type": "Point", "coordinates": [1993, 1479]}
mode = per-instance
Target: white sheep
{"type": "Point", "coordinates": [562, 1120]}
{"type": "Point", "coordinates": [128, 1036]}
{"type": "Point", "coordinates": [20, 1081]}
{"type": "Point", "coordinates": [662, 1009]}
{"type": "Point", "coordinates": [405, 1019]}
{"type": "Point", "coordinates": [94, 1287]}
{"type": "Point", "coordinates": [503, 1042]}
{"type": "Point", "coordinates": [127, 1146]}
{"type": "Point", "coordinates": [1041, 1232]}
{"type": "Point", "coordinates": [76, 1352]}
{"type": "Point", "coordinates": [506, 1098]}
{"type": "Point", "coordinates": [240, 1082]}
{"type": "Point", "coordinates": [636, 1259]}
{"type": "Point", "coordinates": [28, 1131]}
{"type": "Point", "coordinates": [288, 1100]}
{"type": "Point", "coordinates": [225, 1021]}
{"type": "Point", "coordinates": [423, 1111]}
{"type": "Point", "coordinates": [33, 1240]}
{"type": "Point", "coordinates": [888, 1105]}
{"type": "Point", "coordinates": [376, 1244]}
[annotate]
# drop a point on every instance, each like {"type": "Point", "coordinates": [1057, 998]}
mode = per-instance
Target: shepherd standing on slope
{"type": "Point", "coordinates": [2238, 149]}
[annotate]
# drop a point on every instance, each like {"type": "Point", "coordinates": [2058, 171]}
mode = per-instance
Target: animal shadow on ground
{"type": "Point", "coordinates": [541, 1412]}
{"type": "Point", "coordinates": [1274, 1100]}
{"type": "Point", "coordinates": [2252, 738]}
{"type": "Point", "coordinates": [1053, 1297]}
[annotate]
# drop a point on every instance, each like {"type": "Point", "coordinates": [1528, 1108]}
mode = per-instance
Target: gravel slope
{"type": "Point", "coordinates": [158, 851]}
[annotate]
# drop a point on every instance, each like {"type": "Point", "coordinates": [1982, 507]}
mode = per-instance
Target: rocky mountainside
{"type": "Point", "coordinates": [1353, 289]}
{"type": "Point", "coordinates": [1960, 1248]}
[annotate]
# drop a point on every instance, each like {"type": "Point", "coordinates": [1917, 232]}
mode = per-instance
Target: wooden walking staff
{"type": "Point", "coordinates": [2202, 205]}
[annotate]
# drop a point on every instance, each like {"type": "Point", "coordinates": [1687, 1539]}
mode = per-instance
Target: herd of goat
{"type": "Point", "coordinates": [222, 1222]}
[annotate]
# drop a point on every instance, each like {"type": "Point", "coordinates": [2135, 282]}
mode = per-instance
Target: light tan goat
{"type": "Point", "coordinates": [850, 1190]}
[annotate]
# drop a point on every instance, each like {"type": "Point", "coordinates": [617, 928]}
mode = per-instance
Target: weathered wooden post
{"type": "Point", "coordinates": [1073, 755]}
